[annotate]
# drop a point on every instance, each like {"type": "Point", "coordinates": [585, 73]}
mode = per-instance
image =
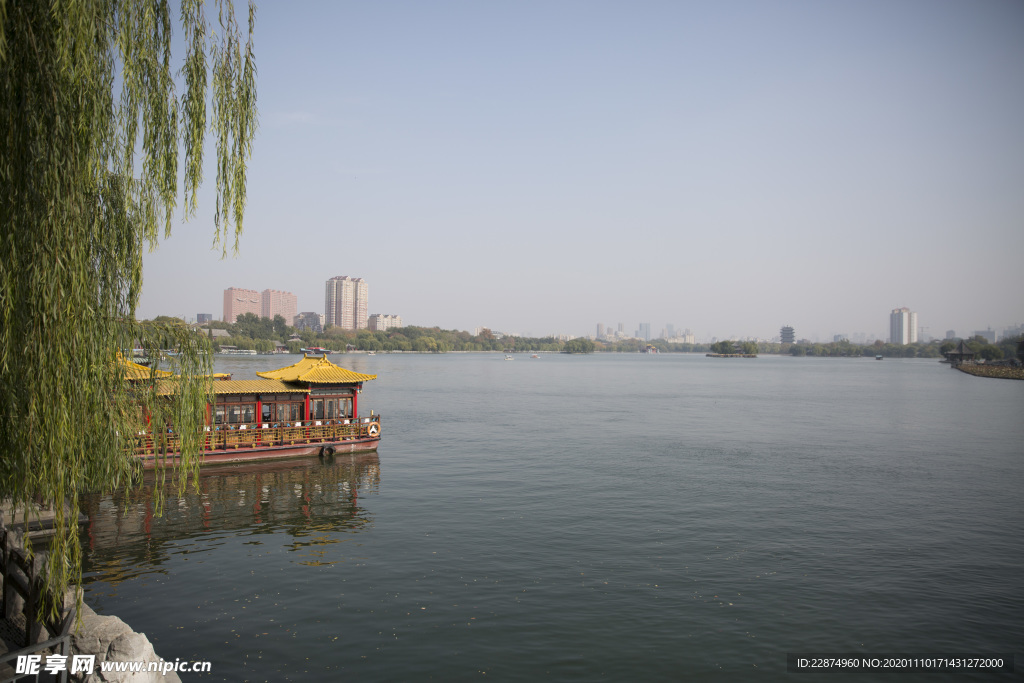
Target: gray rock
{"type": "Point", "coordinates": [112, 640]}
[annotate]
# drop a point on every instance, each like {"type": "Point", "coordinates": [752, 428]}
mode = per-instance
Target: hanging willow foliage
{"type": "Point", "coordinates": [90, 130]}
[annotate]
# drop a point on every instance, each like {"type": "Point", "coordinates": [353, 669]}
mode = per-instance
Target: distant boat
{"type": "Point", "coordinates": [878, 357]}
{"type": "Point", "coordinates": [534, 356]}
{"type": "Point", "coordinates": [316, 351]}
{"type": "Point", "coordinates": [508, 357]}
{"type": "Point", "coordinates": [235, 351]}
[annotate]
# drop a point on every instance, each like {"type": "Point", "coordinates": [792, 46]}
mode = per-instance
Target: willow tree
{"type": "Point", "coordinates": [94, 115]}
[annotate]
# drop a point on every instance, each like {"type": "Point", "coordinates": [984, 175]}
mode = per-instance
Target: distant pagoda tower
{"type": "Point", "coordinates": [787, 334]}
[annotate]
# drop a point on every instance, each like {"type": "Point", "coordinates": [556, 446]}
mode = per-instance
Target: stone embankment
{"type": "Point", "coordinates": [1000, 371]}
{"type": "Point", "coordinates": [107, 638]}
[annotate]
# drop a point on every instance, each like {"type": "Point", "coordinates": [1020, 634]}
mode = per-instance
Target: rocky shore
{"type": "Point", "coordinates": [107, 638]}
{"type": "Point", "coordinates": [1000, 371]}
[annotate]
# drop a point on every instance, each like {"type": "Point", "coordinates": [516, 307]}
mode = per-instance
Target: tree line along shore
{"type": "Point", "coordinates": [264, 335]}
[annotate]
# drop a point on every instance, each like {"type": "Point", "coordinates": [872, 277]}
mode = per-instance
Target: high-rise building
{"type": "Point", "coordinates": [309, 320]}
{"type": "Point", "coordinates": [600, 331]}
{"type": "Point", "coordinates": [275, 302]}
{"type": "Point", "coordinates": [379, 322]}
{"type": "Point", "coordinates": [902, 326]}
{"type": "Point", "coordinates": [203, 318]}
{"type": "Point", "coordinates": [787, 335]}
{"type": "Point", "coordinates": [1012, 331]}
{"type": "Point", "coordinates": [238, 301]}
{"type": "Point", "coordinates": [988, 334]}
{"type": "Point", "coordinates": [346, 302]}
{"type": "Point", "coordinates": [644, 332]}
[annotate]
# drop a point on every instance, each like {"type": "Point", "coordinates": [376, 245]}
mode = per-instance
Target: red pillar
{"type": "Point", "coordinates": [209, 427]}
{"type": "Point", "coordinates": [259, 418]}
{"type": "Point", "coordinates": [307, 415]}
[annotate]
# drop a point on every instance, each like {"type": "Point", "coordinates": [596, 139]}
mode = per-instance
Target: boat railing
{"type": "Point", "coordinates": [264, 435]}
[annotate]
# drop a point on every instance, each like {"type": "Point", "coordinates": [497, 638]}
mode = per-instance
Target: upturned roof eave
{"type": "Point", "coordinates": [318, 371]}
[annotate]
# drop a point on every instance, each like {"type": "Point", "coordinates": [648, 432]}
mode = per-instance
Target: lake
{"type": "Point", "coordinates": [596, 518]}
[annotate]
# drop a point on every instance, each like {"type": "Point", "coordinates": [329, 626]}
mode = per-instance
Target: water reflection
{"type": "Point", "coordinates": [308, 499]}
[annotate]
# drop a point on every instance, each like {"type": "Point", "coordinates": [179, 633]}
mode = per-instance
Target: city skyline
{"type": "Point", "coordinates": [344, 293]}
{"type": "Point", "coordinates": [902, 318]}
{"type": "Point", "coordinates": [726, 168]}
{"type": "Point", "coordinates": [904, 328]}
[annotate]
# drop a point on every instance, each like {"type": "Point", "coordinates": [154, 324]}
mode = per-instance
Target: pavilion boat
{"type": "Point", "coordinates": [316, 351]}
{"type": "Point", "coordinates": [309, 408]}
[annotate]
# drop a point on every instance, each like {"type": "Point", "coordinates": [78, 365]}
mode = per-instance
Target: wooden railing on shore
{"type": "Point", "coordinates": [22, 577]}
{"type": "Point", "coordinates": [265, 435]}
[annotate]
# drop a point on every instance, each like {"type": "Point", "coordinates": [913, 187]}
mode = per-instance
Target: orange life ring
{"type": "Point", "coordinates": [373, 429]}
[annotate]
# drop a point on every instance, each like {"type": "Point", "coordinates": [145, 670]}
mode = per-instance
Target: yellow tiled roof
{"type": "Point", "coordinates": [241, 386]}
{"type": "Point", "coordinates": [316, 370]}
{"type": "Point", "coordinates": [133, 370]}
{"type": "Point", "coordinates": [256, 386]}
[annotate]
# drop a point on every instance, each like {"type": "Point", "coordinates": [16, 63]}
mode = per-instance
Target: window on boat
{"type": "Point", "coordinates": [289, 412]}
{"type": "Point", "coordinates": [240, 413]}
{"type": "Point", "coordinates": [220, 415]}
{"type": "Point", "coordinates": [268, 412]}
{"type": "Point", "coordinates": [331, 408]}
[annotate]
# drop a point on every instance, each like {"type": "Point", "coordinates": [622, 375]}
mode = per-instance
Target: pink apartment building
{"type": "Point", "coordinates": [284, 304]}
{"type": "Point", "coordinates": [266, 304]}
{"type": "Point", "coordinates": [238, 301]}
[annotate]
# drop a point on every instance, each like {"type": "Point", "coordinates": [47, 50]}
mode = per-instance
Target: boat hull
{"type": "Point", "coordinates": [280, 452]}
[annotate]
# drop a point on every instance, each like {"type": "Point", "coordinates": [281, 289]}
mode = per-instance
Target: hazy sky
{"type": "Point", "coordinates": [539, 167]}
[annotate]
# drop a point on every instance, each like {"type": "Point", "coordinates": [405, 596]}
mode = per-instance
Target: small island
{"type": "Point", "coordinates": [730, 349]}
{"type": "Point", "coordinates": [578, 345]}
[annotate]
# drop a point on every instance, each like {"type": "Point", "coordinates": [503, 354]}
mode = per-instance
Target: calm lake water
{"type": "Point", "coordinates": [599, 518]}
